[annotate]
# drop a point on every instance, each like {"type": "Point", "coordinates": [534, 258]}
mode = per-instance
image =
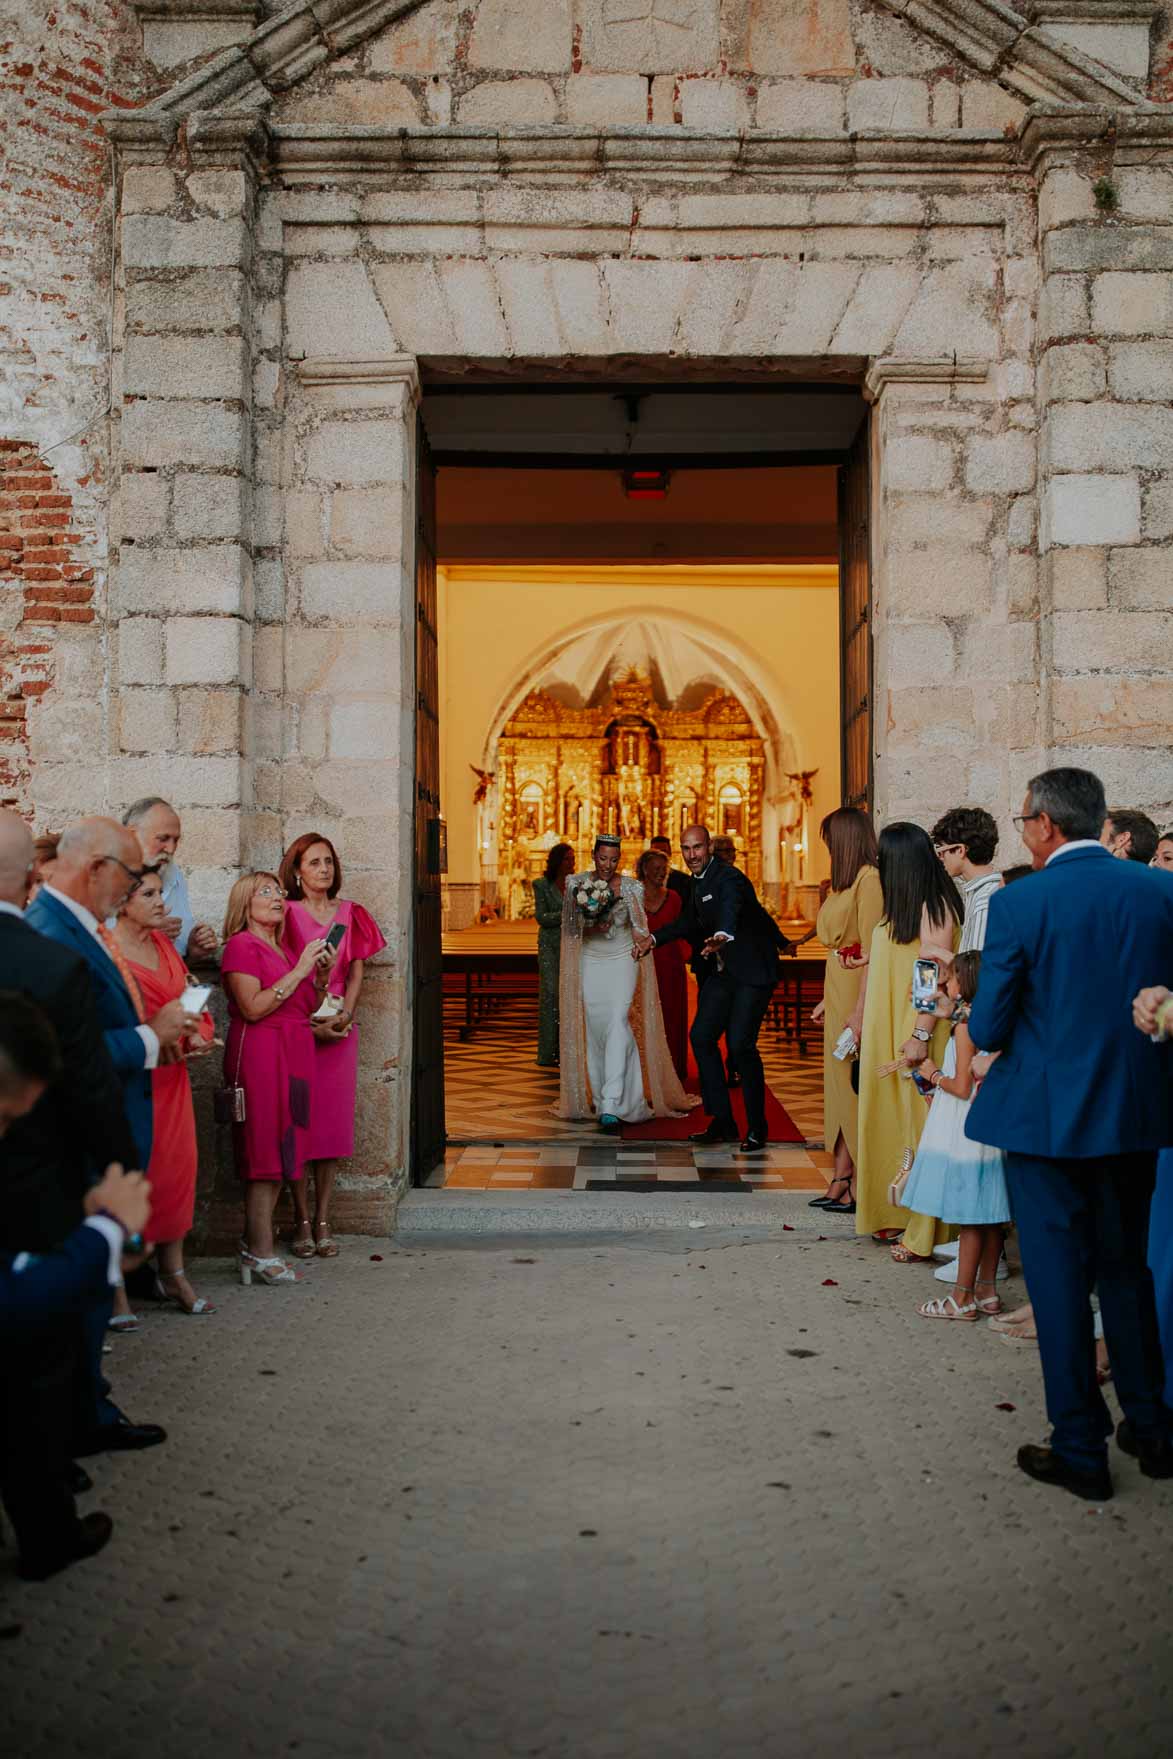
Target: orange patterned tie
{"type": "Point", "coordinates": [124, 971]}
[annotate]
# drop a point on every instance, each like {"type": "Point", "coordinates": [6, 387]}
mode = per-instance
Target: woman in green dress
{"type": "Point", "coordinates": [549, 891]}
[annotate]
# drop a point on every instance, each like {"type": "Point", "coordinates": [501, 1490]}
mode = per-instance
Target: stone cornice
{"type": "Point", "coordinates": [139, 138]}
{"type": "Point", "coordinates": [359, 384]}
{"type": "Point", "coordinates": [313, 150]}
{"type": "Point", "coordinates": [1096, 11]}
{"type": "Point", "coordinates": [990, 36]}
{"type": "Point", "coordinates": [180, 11]}
{"type": "Point", "coordinates": [1061, 132]}
{"type": "Point", "coordinates": [956, 370]}
{"type": "Point", "coordinates": [239, 138]}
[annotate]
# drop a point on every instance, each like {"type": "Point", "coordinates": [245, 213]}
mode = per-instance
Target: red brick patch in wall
{"type": "Point", "coordinates": [37, 558]}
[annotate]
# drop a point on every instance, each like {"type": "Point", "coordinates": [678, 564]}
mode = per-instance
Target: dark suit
{"type": "Point", "coordinates": [116, 1013]}
{"type": "Point", "coordinates": [1081, 1102]}
{"type": "Point", "coordinates": [736, 993]}
{"type": "Point", "coordinates": [104, 1135]}
{"type": "Point", "coordinates": [35, 1296]}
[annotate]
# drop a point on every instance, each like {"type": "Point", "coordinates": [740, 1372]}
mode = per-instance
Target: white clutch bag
{"type": "Point", "coordinates": [327, 1008]}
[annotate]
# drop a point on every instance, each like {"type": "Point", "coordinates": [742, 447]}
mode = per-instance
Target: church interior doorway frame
{"type": "Point", "coordinates": [854, 465]}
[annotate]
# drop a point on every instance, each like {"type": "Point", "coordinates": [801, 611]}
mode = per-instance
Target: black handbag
{"type": "Point", "coordinates": [228, 1101]}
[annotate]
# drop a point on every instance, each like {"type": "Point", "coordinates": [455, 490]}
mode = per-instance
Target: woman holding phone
{"type": "Point", "coordinates": [155, 975]}
{"type": "Point", "coordinates": [311, 874]}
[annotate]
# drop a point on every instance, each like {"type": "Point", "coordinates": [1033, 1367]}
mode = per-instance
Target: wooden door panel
{"type": "Point", "coordinates": [855, 624]}
{"type": "Point", "coordinates": [427, 1110]}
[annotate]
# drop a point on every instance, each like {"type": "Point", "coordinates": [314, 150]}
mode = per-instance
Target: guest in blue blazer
{"type": "Point", "coordinates": [98, 866]}
{"type": "Point", "coordinates": [1081, 1104]}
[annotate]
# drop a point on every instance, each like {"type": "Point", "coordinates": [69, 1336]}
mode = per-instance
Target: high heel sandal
{"type": "Point", "coordinates": [303, 1248]}
{"type": "Point", "coordinates": [826, 1201]}
{"type": "Point", "coordinates": [325, 1247]}
{"type": "Point", "coordinates": [266, 1270]}
{"type": "Point", "coordinates": [199, 1305]}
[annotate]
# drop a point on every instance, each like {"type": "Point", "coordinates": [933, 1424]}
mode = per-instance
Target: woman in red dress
{"type": "Point", "coordinates": [160, 976]}
{"type": "Point", "coordinates": [663, 906]}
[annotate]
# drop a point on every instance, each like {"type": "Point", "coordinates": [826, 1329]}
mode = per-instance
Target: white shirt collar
{"type": "Point", "coordinates": [8, 909]}
{"type": "Point", "coordinates": [1075, 843]}
{"type": "Point", "coordinates": [86, 917]}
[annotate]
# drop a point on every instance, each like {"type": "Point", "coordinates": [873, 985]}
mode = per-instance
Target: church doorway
{"type": "Point", "coordinates": [639, 605]}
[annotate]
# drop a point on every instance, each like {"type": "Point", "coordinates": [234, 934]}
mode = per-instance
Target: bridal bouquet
{"type": "Point", "coordinates": [594, 898]}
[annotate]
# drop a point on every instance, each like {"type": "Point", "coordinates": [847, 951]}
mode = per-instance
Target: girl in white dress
{"type": "Point", "coordinates": [615, 1062]}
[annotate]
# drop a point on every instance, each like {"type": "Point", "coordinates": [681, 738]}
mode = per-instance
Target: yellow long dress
{"type": "Point", "coordinates": [845, 918]}
{"type": "Point", "coordinates": [892, 1112]}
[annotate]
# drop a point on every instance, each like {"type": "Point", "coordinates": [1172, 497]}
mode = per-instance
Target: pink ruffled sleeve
{"type": "Point", "coordinates": [364, 939]}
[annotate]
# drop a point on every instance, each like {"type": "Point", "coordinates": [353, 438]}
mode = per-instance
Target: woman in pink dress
{"type": "Point", "coordinates": [161, 977]}
{"type": "Point", "coordinates": [272, 991]}
{"type": "Point", "coordinates": [662, 907]}
{"type": "Point", "coordinates": [311, 874]}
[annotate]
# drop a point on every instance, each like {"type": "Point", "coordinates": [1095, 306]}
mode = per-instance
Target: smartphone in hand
{"type": "Point", "coordinates": [336, 936]}
{"type": "Point", "coordinates": [926, 981]}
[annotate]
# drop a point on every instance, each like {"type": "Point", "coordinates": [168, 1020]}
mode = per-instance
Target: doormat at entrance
{"type": "Point", "coordinates": [779, 1124]}
{"type": "Point", "coordinates": [722, 1187]}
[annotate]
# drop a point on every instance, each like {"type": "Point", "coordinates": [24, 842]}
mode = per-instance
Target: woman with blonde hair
{"type": "Point", "coordinates": [847, 920]}
{"type": "Point", "coordinates": [269, 1056]}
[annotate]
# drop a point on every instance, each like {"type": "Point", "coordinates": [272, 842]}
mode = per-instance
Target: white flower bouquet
{"type": "Point", "coordinates": [594, 898]}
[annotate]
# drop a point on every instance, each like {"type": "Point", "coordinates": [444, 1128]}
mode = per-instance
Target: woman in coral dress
{"type": "Point", "coordinates": [662, 907]}
{"type": "Point", "coordinates": [160, 976]}
{"type": "Point", "coordinates": [312, 876]}
{"type": "Point", "coordinates": [272, 992]}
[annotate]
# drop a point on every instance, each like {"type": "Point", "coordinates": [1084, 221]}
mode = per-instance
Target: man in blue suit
{"type": "Point", "coordinates": [1081, 1104]}
{"type": "Point", "coordinates": [97, 868]}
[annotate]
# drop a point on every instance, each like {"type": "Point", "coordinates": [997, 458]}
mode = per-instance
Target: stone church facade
{"type": "Point", "coordinates": [239, 234]}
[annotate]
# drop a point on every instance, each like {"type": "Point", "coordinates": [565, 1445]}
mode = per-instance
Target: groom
{"type": "Point", "coordinates": [725, 922]}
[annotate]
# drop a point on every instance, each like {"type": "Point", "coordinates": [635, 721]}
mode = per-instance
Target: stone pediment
{"type": "Point", "coordinates": [1011, 46]}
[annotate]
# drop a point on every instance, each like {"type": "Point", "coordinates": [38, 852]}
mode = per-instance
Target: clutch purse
{"type": "Point", "coordinates": [228, 1103]}
{"type": "Point", "coordinates": [896, 1188]}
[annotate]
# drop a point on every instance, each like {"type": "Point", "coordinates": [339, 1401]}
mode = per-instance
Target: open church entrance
{"type": "Point", "coordinates": [640, 605]}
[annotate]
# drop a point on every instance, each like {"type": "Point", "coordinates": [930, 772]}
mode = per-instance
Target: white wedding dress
{"type": "Point", "coordinates": [614, 1056]}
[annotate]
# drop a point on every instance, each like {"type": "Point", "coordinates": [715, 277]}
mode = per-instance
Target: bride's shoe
{"type": "Point", "coordinates": [609, 1124]}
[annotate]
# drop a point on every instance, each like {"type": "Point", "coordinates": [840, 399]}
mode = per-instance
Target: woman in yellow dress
{"type": "Point", "coordinates": [922, 920]}
{"type": "Point", "coordinates": [849, 914]}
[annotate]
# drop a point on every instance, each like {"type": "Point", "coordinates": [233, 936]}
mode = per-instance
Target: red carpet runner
{"type": "Point", "coordinates": [779, 1123]}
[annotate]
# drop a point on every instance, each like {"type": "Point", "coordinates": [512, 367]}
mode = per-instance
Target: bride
{"type": "Point", "coordinates": [615, 1062]}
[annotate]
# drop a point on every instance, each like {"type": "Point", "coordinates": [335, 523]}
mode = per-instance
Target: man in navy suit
{"type": "Point", "coordinates": [35, 1292]}
{"type": "Point", "coordinates": [97, 868]}
{"type": "Point", "coordinates": [1081, 1104]}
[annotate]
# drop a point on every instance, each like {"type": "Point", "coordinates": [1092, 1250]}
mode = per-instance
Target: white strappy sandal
{"type": "Point", "coordinates": [266, 1270]}
{"type": "Point", "coordinates": [200, 1305]}
{"type": "Point", "coordinates": [948, 1308]}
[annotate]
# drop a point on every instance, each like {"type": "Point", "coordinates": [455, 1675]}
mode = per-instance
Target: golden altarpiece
{"type": "Point", "coordinates": [626, 765]}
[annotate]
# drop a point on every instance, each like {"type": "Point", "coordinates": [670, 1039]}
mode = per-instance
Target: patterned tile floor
{"type": "Point", "coordinates": [502, 1134]}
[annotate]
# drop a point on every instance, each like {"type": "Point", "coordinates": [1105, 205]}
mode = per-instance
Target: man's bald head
{"type": "Point", "coordinates": [694, 846]}
{"type": "Point", "coordinates": [16, 859]}
{"type": "Point", "coordinates": [98, 865]}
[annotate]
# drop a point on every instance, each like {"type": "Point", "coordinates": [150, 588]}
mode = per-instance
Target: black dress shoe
{"type": "Point", "coordinates": [754, 1144]}
{"type": "Point", "coordinates": [116, 1437]}
{"type": "Point", "coordinates": [1051, 1468]}
{"type": "Point", "coordinates": [1155, 1455]}
{"type": "Point", "coordinates": [92, 1533]}
{"type": "Point", "coordinates": [732, 1078]}
{"type": "Point", "coordinates": [716, 1133]}
{"type": "Point", "coordinates": [78, 1479]}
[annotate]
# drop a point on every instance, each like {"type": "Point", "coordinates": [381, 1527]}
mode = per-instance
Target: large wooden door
{"type": "Point", "coordinates": [855, 623]}
{"type": "Point", "coordinates": [427, 1096]}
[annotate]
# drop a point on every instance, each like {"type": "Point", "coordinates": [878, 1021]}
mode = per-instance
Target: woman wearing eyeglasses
{"type": "Point", "coordinates": [270, 1055]}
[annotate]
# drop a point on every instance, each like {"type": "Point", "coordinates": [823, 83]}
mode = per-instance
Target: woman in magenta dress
{"type": "Point", "coordinates": [662, 906]}
{"type": "Point", "coordinates": [311, 874]}
{"type": "Point", "coordinates": [272, 991]}
{"type": "Point", "coordinates": [161, 977]}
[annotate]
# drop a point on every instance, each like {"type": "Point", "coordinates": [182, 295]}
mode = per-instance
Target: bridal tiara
{"type": "Point", "coordinates": [609, 842]}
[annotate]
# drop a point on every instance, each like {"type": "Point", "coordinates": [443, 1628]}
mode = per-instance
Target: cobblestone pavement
{"type": "Point", "coordinates": [661, 1495]}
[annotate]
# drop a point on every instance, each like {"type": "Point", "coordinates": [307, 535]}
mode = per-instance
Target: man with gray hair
{"type": "Point", "coordinates": [156, 824]}
{"type": "Point", "coordinates": [1080, 1103]}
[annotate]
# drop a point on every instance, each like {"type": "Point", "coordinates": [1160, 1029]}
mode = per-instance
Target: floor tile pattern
{"type": "Point", "coordinates": [495, 1093]}
{"type": "Point", "coordinates": [612, 1166]}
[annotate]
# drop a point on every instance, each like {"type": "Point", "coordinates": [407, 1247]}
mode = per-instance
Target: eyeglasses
{"type": "Point", "coordinates": [947, 848]}
{"type": "Point", "coordinates": [270, 892]}
{"type": "Point", "coordinates": [1021, 819]}
{"type": "Point", "coordinates": [135, 877]}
